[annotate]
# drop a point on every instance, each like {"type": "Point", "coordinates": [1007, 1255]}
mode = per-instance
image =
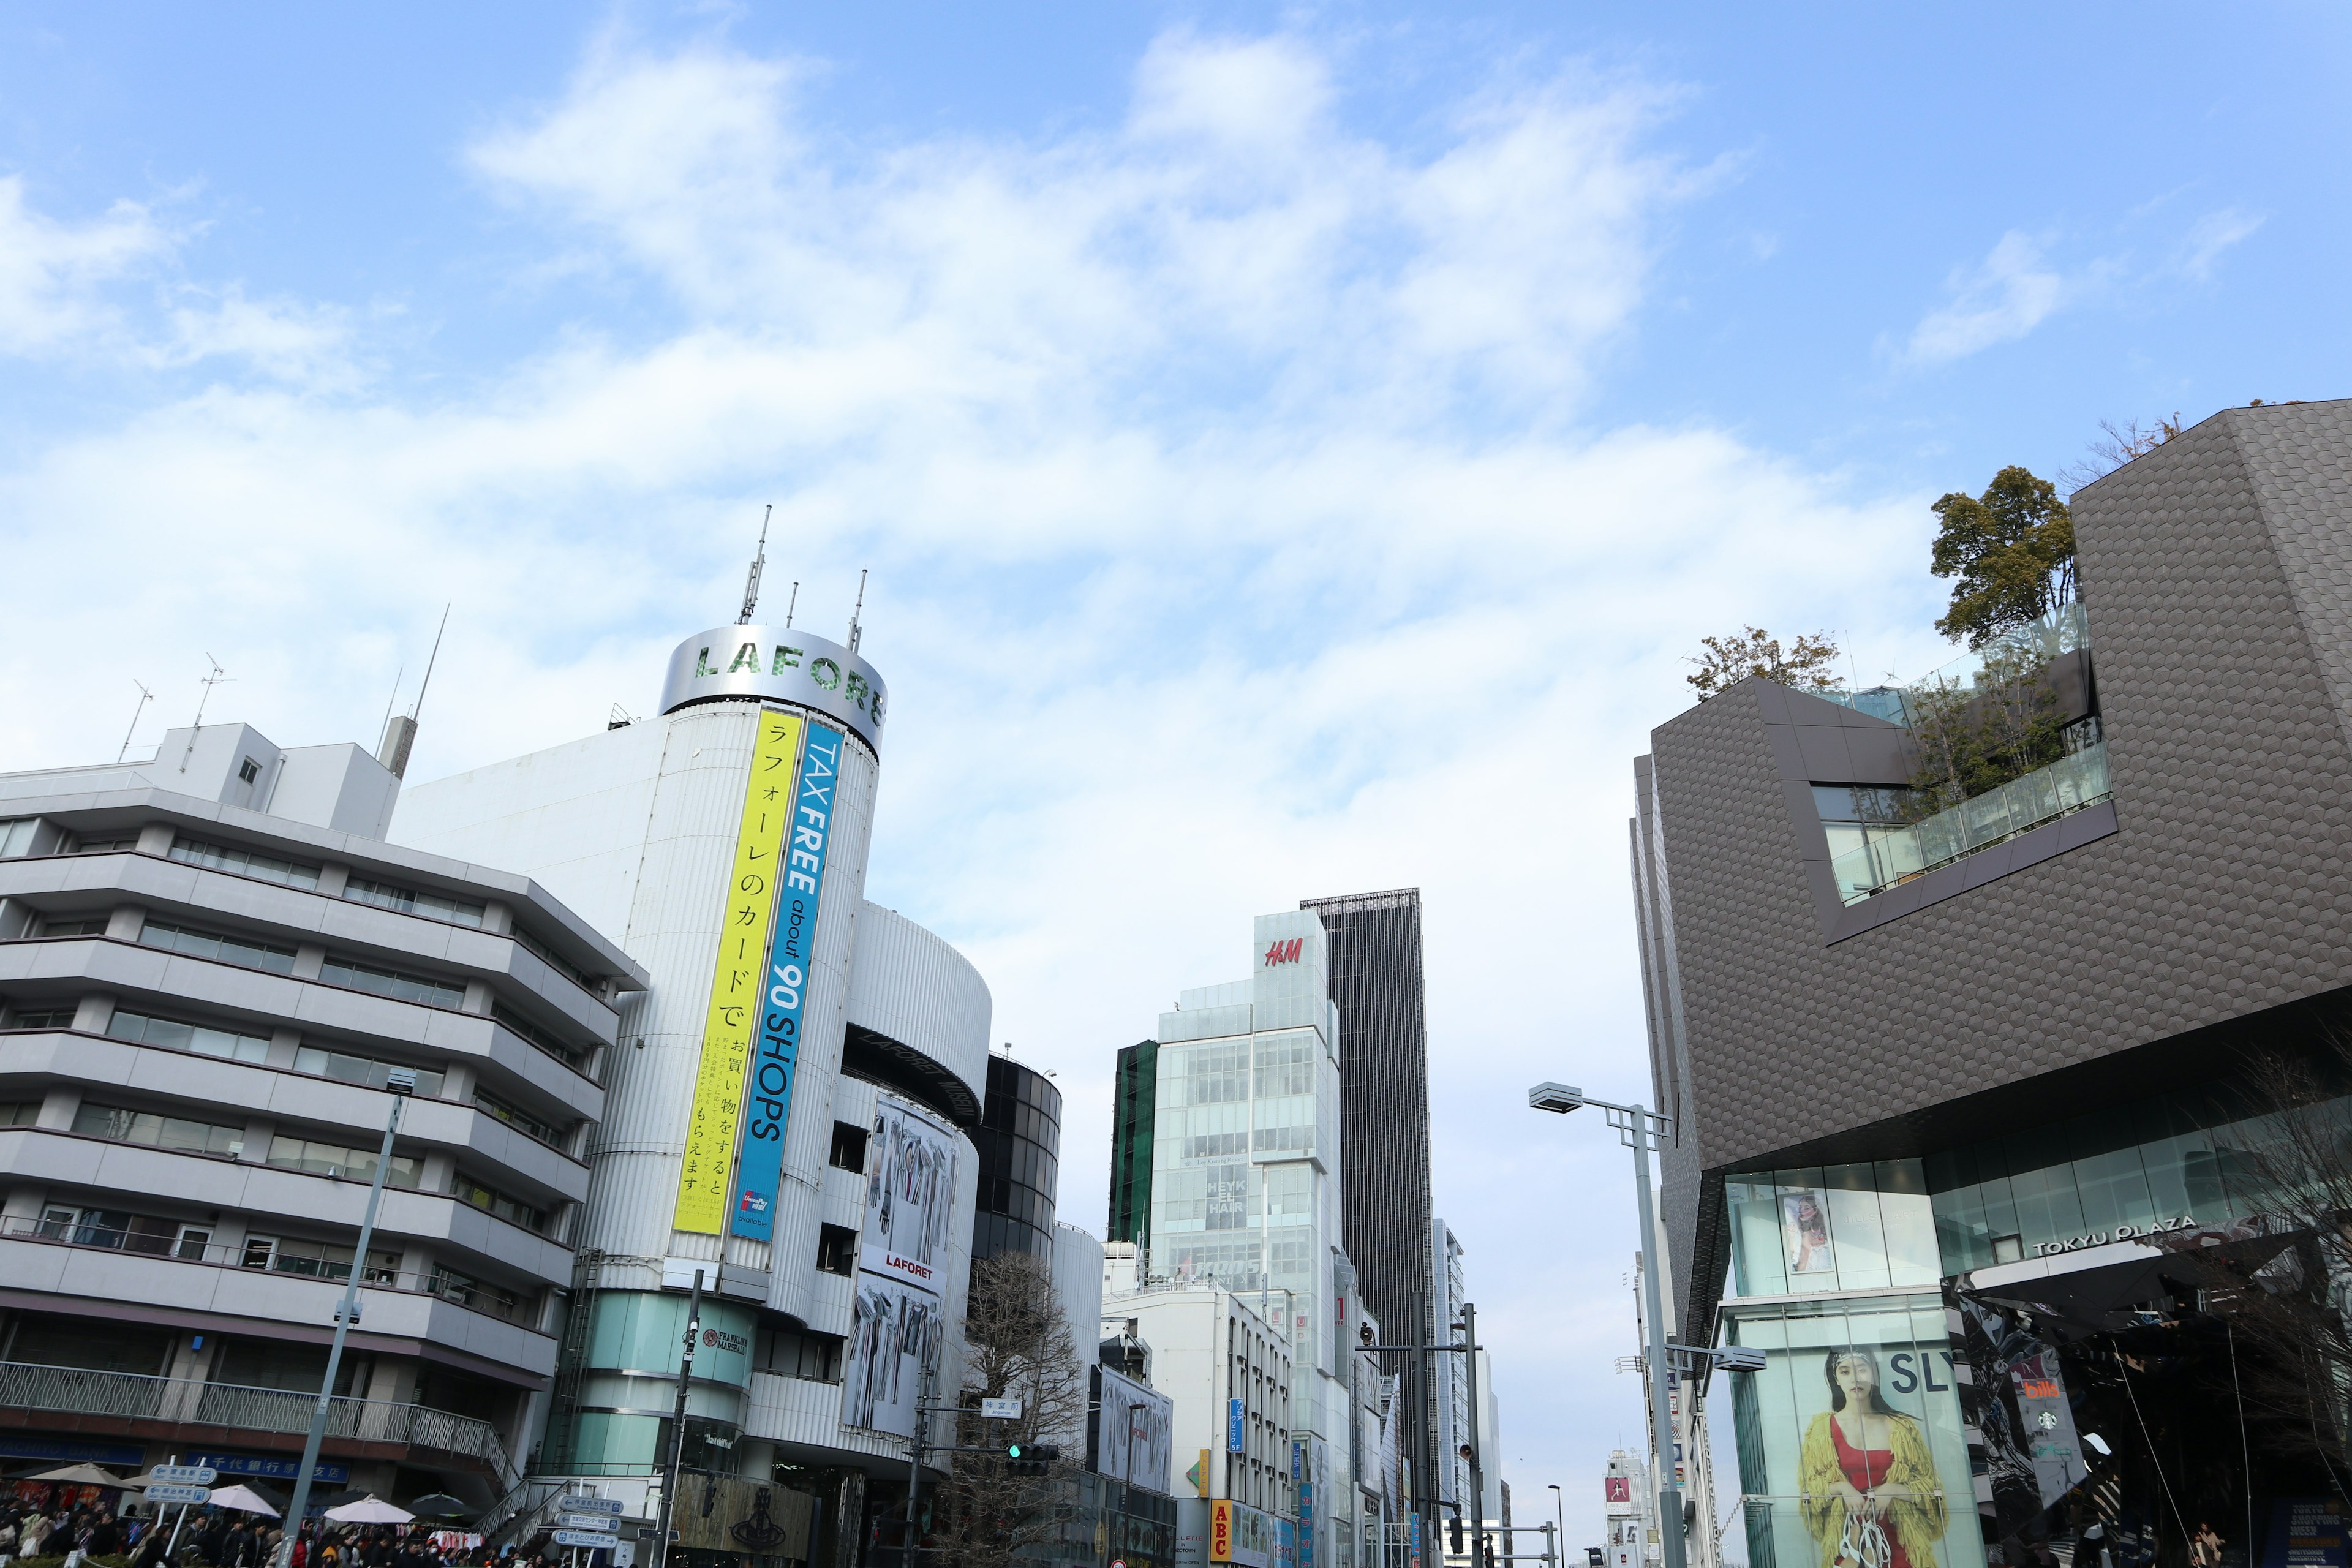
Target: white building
{"type": "Point", "coordinates": [1245, 1184]}
{"type": "Point", "coordinates": [1209, 1350]}
{"type": "Point", "coordinates": [792, 1093]}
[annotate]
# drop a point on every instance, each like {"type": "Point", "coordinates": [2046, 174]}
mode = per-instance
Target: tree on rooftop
{"type": "Point", "coordinates": [1807, 665]}
{"type": "Point", "coordinates": [2013, 552]}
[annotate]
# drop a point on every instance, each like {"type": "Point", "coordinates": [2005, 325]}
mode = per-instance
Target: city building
{"type": "Point", "coordinates": [217, 981]}
{"type": "Point", "coordinates": [794, 1098]}
{"type": "Point", "coordinates": [1245, 1191]}
{"type": "Point", "coordinates": [1132, 1098]}
{"type": "Point", "coordinates": [1971, 1118]}
{"type": "Point", "coordinates": [1374, 957]}
{"type": "Point", "coordinates": [1449, 1378]}
{"type": "Point", "coordinates": [1227, 1374]}
{"type": "Point", "coordinates": [1020, 1144]}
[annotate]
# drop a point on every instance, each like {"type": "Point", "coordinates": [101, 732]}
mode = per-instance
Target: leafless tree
{"type": "Point", "coordinates": [2119, 445]}
{"type": "Point", "coordinates": [1019, 1346]}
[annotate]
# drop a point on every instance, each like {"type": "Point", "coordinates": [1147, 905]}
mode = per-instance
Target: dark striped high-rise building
{"type": "Point", "coordinates": [1134, 1097]}
{"type": "Point", "coordinates": [1374, 943]}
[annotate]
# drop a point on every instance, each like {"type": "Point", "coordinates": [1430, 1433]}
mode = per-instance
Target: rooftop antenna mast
{"type": "Point", "coordinates": [392, 699]}
{"type": "Point", "coordinates": [145, 697]}
{"type": "Point", "coordinates": [792, 604]}
{"type": "Point", "coordinates": [400, 728]}
{"type": "Point", "coordinates": [854, 632]}
{"type": "Point", "coordinates": [418, 711]}
{"type": "Point", "coordinates": [214, 679]}
{"type": "Point", "coordinates": [759, 562]}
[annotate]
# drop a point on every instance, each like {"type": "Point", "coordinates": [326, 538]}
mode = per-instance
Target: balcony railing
{"type": "Point", "coordinates": [1896, 854]}
{"type": "Point", "coordinates": [128, 1396]}
{"type": "Point", "coordinates": [461, 1290]}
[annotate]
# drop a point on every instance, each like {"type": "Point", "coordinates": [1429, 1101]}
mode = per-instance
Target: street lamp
{"type": "Point", "coordinates": [1641, 1130]}
{"type": "Point", "coordinates": [400, 1082]}
{"type": "Point", "coordinates": [1559, 1513]}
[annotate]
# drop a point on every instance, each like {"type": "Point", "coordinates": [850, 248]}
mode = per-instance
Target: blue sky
{"type": "Point", "coordinates": [1294, 448]}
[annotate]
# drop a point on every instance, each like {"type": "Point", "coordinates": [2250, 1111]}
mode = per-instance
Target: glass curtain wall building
{"type": "Point", "coordinates": [1133, 1100]}
{"type": "Point", "coordinates": [1020, 1142]}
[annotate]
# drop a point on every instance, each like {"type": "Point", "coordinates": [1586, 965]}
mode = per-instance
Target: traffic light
{"type": "Point", "coordinates": [1594, 1557]}
{"type": "Point", "coordinates": [1030, 1459]}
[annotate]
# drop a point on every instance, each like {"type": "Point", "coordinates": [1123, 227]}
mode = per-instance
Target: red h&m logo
{"type": "Point", "coordinates": [1285, 951]}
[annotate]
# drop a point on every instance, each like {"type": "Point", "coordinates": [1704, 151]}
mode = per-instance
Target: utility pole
{"type": "Point", "coordinates": [677, 1427]}
{"type": "Point", "coordinates": [1478, 1461]}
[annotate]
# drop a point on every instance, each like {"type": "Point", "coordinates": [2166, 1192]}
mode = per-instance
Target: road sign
{"type": "Point", "coordinates": [180, 1494]}
{"type": "Point", "coordinates": [604, 1505]}
{"type": "Point", "coordinates": [584, 1521]}
{"type": "Point", "coordinates": [185, 1475]}
{"type": "Point", "coordinates": [999, 1410]}
{"type": "Point", "coordinates": [594, 1540]}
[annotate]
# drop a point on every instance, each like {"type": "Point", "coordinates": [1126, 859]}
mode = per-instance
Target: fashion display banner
{"type": "Point", "coordinates": [909, 1198]}
{"type": "Point", "coordinates": [1135, 1430]}
{"type": "Point", "coordinates": [768, 1103]}
{"type": "Point", "coordinates": [894, 1335]}
{"type": "Point", "coordinates": [1855, 1426]}
{"type": "Point", "coordinates": [709, 1166]}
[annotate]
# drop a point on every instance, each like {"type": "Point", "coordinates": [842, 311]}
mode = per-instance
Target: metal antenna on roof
{"type": "Point", "coordinates": [759, 560]}
{"type": "Point", "coordinates": [391, 699]}
{"type": "Point", "coordinates": [145, 697]}
{"type": "Point", "coordinates": [792, 604]}
{"type": "Point", "coordinates": [214, 679]}
{"type": "Point", "coordinates": [418, 711]}
{"type": "Point", "coordinates": [854, 629]}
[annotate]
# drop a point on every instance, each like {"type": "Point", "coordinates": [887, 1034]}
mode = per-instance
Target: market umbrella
{"type": "Point", "coordinates": [82, 1475]}
{"type": "Point", "coordinates": [439, 1505]}
{"type": "Point", "coordinates": [370, 1510]}
{"type": "Point", "coordinates": [243, 1498]}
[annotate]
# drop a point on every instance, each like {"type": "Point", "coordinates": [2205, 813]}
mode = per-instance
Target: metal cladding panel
{"type": "Point", "coordinates": [2218, 574]}
{"type": "Point", "coordinates": [912, 986]}
{"type": "Point", "coordinates": [808, 1135]}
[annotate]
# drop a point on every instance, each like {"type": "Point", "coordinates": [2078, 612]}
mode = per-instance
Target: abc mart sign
{"type": "Point", "coordinates": [752, 662]}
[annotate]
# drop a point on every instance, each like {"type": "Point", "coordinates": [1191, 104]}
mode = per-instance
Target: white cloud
{"type": "Point", "coordinates": [1240, 525]}
{"type": "Point", "coordinates": [52, 273]}
{"type": "Point", "coordinates": [2001, 300]}
{"type": "Point", "coordinates": [2212, 234]}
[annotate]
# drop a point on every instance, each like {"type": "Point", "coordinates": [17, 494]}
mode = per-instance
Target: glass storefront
{"type": "Point", "coordinates": [1852, 1448]}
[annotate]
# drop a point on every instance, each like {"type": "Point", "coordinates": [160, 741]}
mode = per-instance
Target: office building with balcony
{"type": "Point", "coordinates": [1979, 1004]}
{"type": "Point", "coordinates": [213, 966]}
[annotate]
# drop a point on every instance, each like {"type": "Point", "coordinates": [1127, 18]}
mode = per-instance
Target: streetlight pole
{"type": "Point", "coordinates": [666, 1523]}
{"type": "Point", "coordinates": [1559, 1513]}
{"type": "Point", "coordinates": [402, 1083]}
{"type": "Point", "coordinates": [1640, 1129]}
{"type": "Point", "coordinates": [1477, 1430]}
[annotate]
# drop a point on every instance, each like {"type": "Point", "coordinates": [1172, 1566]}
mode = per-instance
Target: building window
{"type": "Point", "coordinates": [41, 1018]}
{"type": "Point", "coordinates": [365, 1071]}
{"type": "Point", "coordinates": [836, 1250]}
{"type": "Point", "coordinates": [546, 1040]}
{"type": "Point", "coordinates": [466, 1189]}
{"type": "Point", "coordinates": [546, 955]}
{"type": "Point", "coordinates": [848, 1147]}
{"type": "Point", "coordinates": [72, 925]}
{"type": "Point", "coordinates": [182, 1135]}
{"type": "Point", "coordinates": [249, 951]}
{"type": "Point", "coordinates": [247, 771]}
{"type": "Point", "coordinates": [319, 1158]}
{"type": "Point", "coordinates": [15, 837]}
{"type": "Point", "coordinates": [104, 844]}
{"type": "Point", "coordinates": [467, 1291]}
{"type": "Point", "coordinates": [791, 1352]}
{"type": "Point", "coordinates": [409, 901]}
{"type": "Point", "coordinates": [173, 1035]}
{"type": "Point", "coordinates": [522, 1121]}
{"type": "Point", "coordinates": [318, 1260]}
{"type": "Point", "coordinates": [19, 1112]}
{"type": "Point", "coordinates": [245, 862]}
{"type": "Point", "coordinates": [421, 989]}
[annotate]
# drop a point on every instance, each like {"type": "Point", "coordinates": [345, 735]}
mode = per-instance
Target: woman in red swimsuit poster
{"type": "Point", "coordinates": [1870, 1493]}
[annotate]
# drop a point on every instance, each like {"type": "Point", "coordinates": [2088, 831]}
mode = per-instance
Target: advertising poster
{"type": "Point", "coordinates": [1240, 1534]}
{"type": "Point", "coordinates": [1228, 1197]}
{"type": "Point", "coordinates": [768, 1098]}
{"type": "Point", "coordinates": [909, 1197]}
{"type": "Point", "coordinates": [1854, 1424]}
{"type": "Point", "coordinates": [1135, 1428]}
{"type": "Point", "coordinates": [1805, 1233]}
{"type": "Point", "coordinates": [894, 1334]}
{"type": "Point", "coordinates": [735, 988]}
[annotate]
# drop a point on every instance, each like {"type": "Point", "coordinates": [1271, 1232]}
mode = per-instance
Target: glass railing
{"type": "Point", "coordinates": [1895, 854]}
{"type": "Point", "coordinates": [2063, 630]}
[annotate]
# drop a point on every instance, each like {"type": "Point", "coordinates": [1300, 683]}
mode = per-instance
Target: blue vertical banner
{"type": "Point", "coordinates": [768, 1098]}
{"type": "Point", "coordinates": [1234, 1443]}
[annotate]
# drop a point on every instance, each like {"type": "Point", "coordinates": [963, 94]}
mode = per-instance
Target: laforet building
{"type": "Point", "coordinates": [1979, 1005]}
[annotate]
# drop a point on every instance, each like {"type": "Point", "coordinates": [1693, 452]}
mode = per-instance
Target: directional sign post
{"type": "Point", "coordinates": [179, 1494]}
{"type": "Point", "coordinates": [597, 1521]}
{"type": "Point", "coordinates": [185, 1475]}
{"type": "Point", "coordinates": [999, 1410]}
{"type": "Point", "coordinates": [608, 1506]}
{"type": "Point", "coordinates": [594, 1540]}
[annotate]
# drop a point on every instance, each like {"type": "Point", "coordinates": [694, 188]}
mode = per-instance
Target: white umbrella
{"type": "Point", "coordinates": [84, 1475]}
{"type": "Point", "coordinates": [368, 1510]}
{"type": "Point", "coordinates": [243, 1498]}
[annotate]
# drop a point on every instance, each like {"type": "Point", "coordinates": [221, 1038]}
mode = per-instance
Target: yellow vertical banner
{"type": "Point", "coordinates": [735, 981]}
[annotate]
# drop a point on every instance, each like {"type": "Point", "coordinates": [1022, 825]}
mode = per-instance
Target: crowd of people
{"type": "Point", "coordinates": [214, 1539]}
